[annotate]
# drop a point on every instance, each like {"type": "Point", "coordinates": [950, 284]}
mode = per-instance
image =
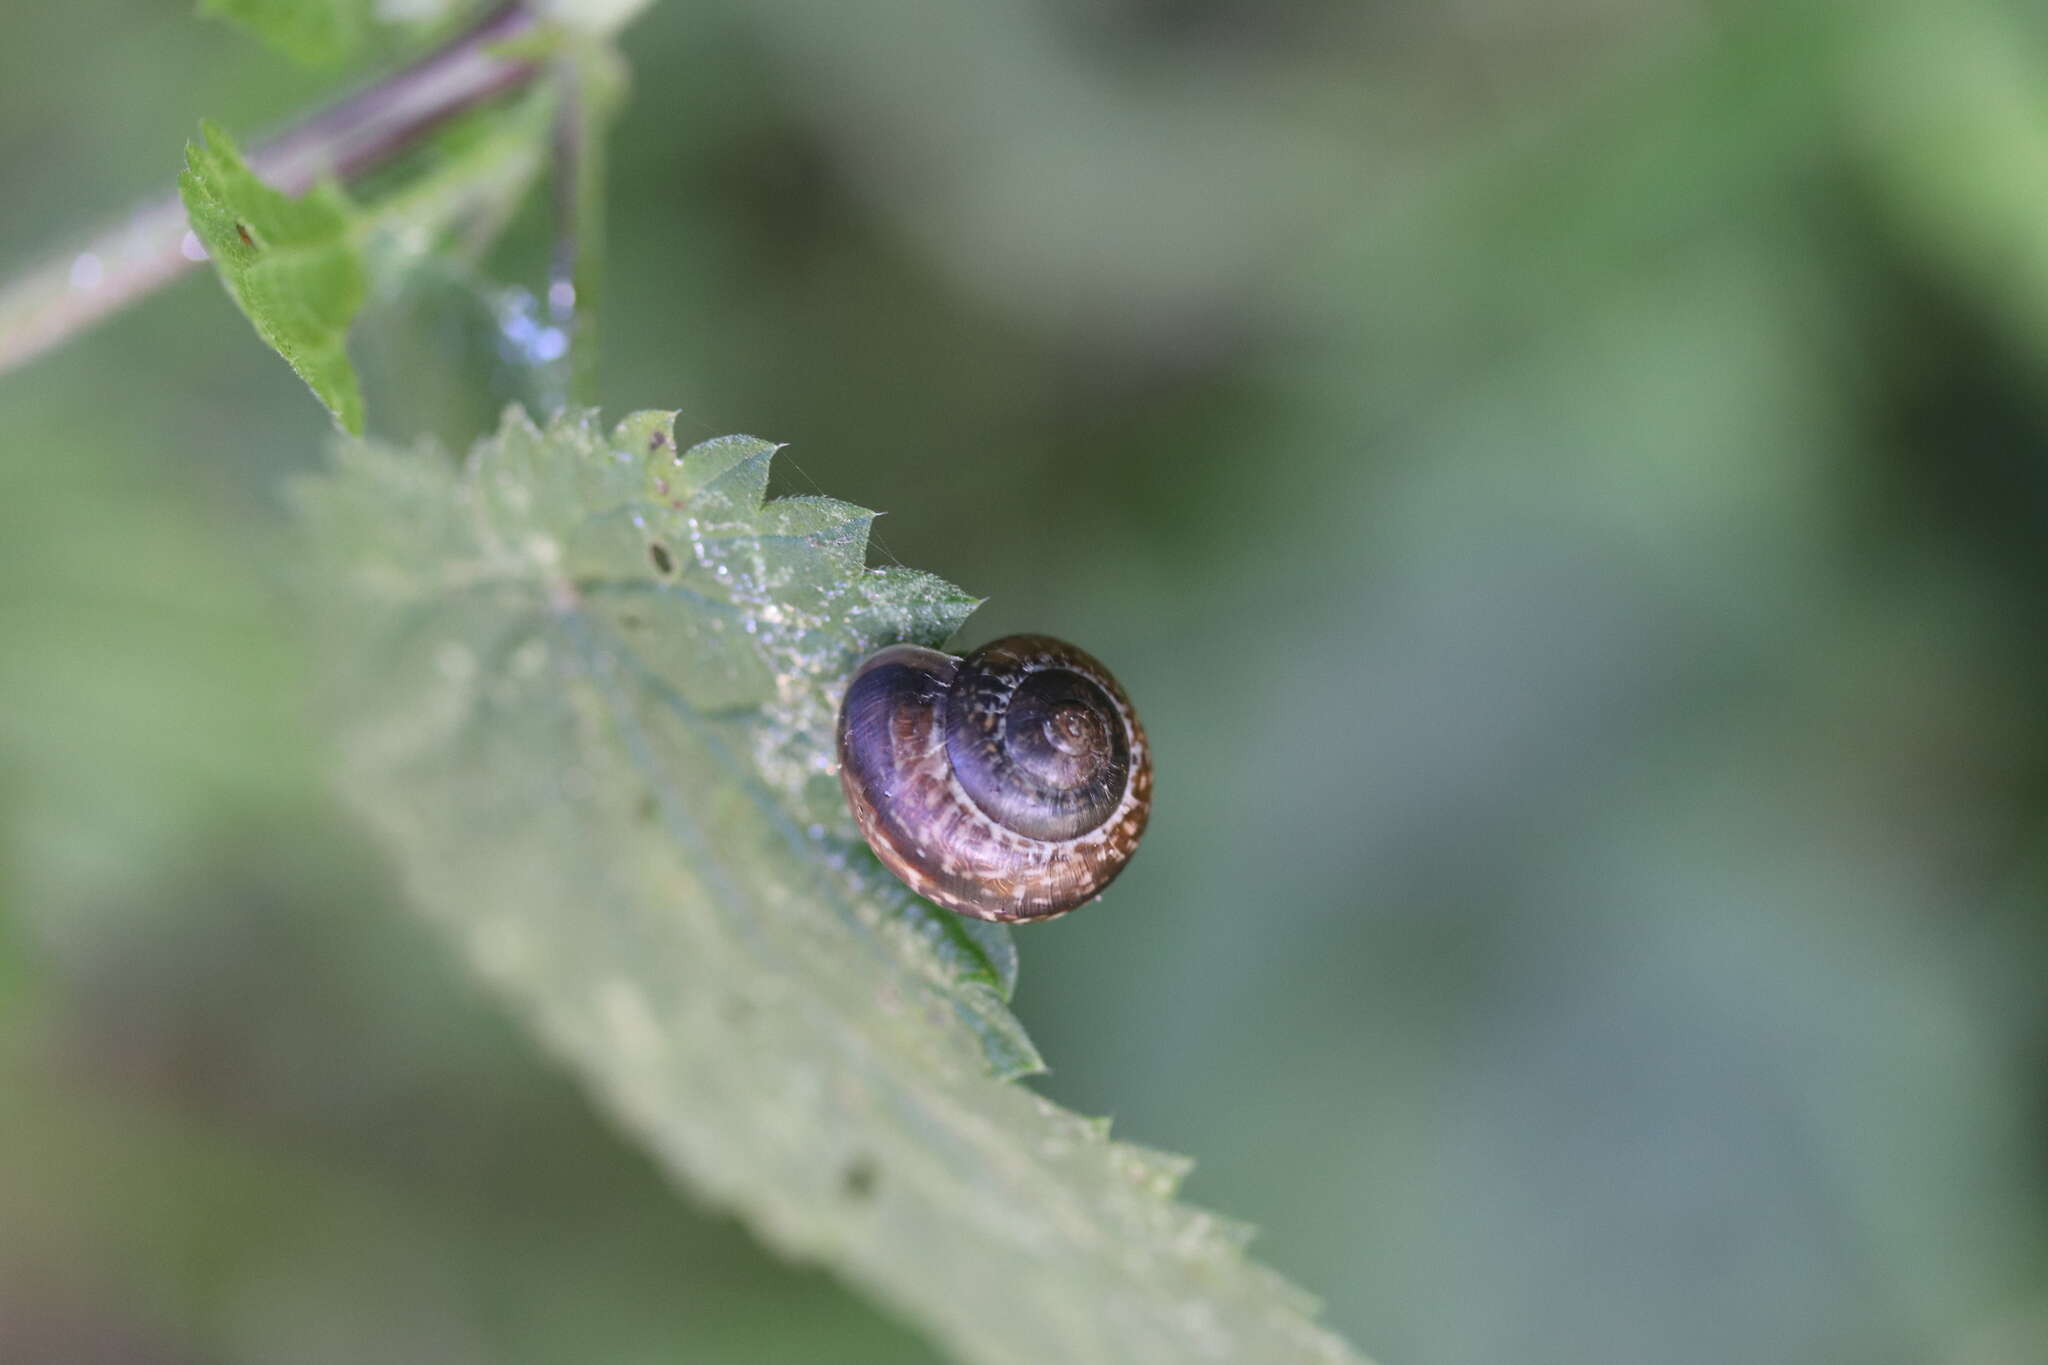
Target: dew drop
{"type": "Point", "coordinates": [550, 344]}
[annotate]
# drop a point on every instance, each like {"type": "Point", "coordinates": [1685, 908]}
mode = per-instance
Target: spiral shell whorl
{"type": "Point", "coordinates": [1012, 784]}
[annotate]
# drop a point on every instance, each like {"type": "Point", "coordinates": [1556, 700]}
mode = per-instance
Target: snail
{"type": "Point", "coordinates": [1010, 785]}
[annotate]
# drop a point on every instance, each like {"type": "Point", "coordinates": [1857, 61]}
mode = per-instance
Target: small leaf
{"type": "Point", "coordinates": [312, 32]}
{"type": "Point", "coordinates": [595, 17]}
{"type": "Point", "coordinates": [292, 265]}
{"type": "Point", "coordinates": [591, 684]}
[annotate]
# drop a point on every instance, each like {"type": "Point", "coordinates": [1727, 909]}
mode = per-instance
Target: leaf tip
{"type": "Point", "coordinates": [302, 312]}
{"type": "Point", "coordinates": [515, 420]}
{"type": "Point", "coordinates": [1157, 1173]}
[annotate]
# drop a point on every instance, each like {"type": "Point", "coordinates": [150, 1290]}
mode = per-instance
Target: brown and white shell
{"type": "Point", "coordinates": [1012, 784]}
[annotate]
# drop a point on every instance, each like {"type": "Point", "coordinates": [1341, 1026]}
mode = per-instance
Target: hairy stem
{"type": "Point", "coordinates": [125, 263]}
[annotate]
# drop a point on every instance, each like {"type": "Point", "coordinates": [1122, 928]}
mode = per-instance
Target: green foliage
{"type": "Point", "coordinates": [315, 32]}
{"type": "Point", "coordinates": [588, 687]}
{"type": "Point", "coordinates": [293, 265]}
{"type": "Point", "coordinates": [596, 17]}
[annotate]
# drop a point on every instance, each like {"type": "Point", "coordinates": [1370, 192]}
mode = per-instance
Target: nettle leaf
{"type": "Point", "coordinates": [589, 685]}
{"type": "Point", "coordinates": [314, 32]}
{"type": "Point", "coordinates": [292, 265]}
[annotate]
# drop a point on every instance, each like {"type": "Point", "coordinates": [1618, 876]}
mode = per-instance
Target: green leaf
{"type": "Point", "coordinates": [589, 685]}
{"type": "Point", "coordinates": [292, 265]}
{"type": "Point", "coordinates": [313, 32]}
{"type": "Point", "coordinates": [595, 17]}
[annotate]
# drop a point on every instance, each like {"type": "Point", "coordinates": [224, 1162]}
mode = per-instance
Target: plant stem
{"type": "Point", "coordinates": [588, 97]}
{"type": "Point", "coordinates": [127, 262]}
{"type": "Point", "coordinates": [567, 309]}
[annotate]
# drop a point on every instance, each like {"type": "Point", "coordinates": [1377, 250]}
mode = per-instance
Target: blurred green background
{"type": "Point", "coordinates": [1565, 483]}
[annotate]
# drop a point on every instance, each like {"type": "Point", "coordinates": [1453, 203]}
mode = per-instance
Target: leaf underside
{"type": "Point", "coordinates": [292, 265]}
{"type": "Point", "coordinates": [588, 686]}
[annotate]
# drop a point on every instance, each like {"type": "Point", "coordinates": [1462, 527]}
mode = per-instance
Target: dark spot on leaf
{"type": "Point", "coordinates": [664, 562]}
{"type": "Point", "coordinates": [658, 441]}
{"type": "Point", "coordinates": [631, 621]}
{"type": "Point", "coordinates": [242, 231]}
{"type": "Point", "coordinates": [858, 1180]}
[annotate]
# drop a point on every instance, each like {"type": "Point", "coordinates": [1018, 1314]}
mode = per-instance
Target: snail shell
{"type": "Point", "coordinates": [1011, 784]}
